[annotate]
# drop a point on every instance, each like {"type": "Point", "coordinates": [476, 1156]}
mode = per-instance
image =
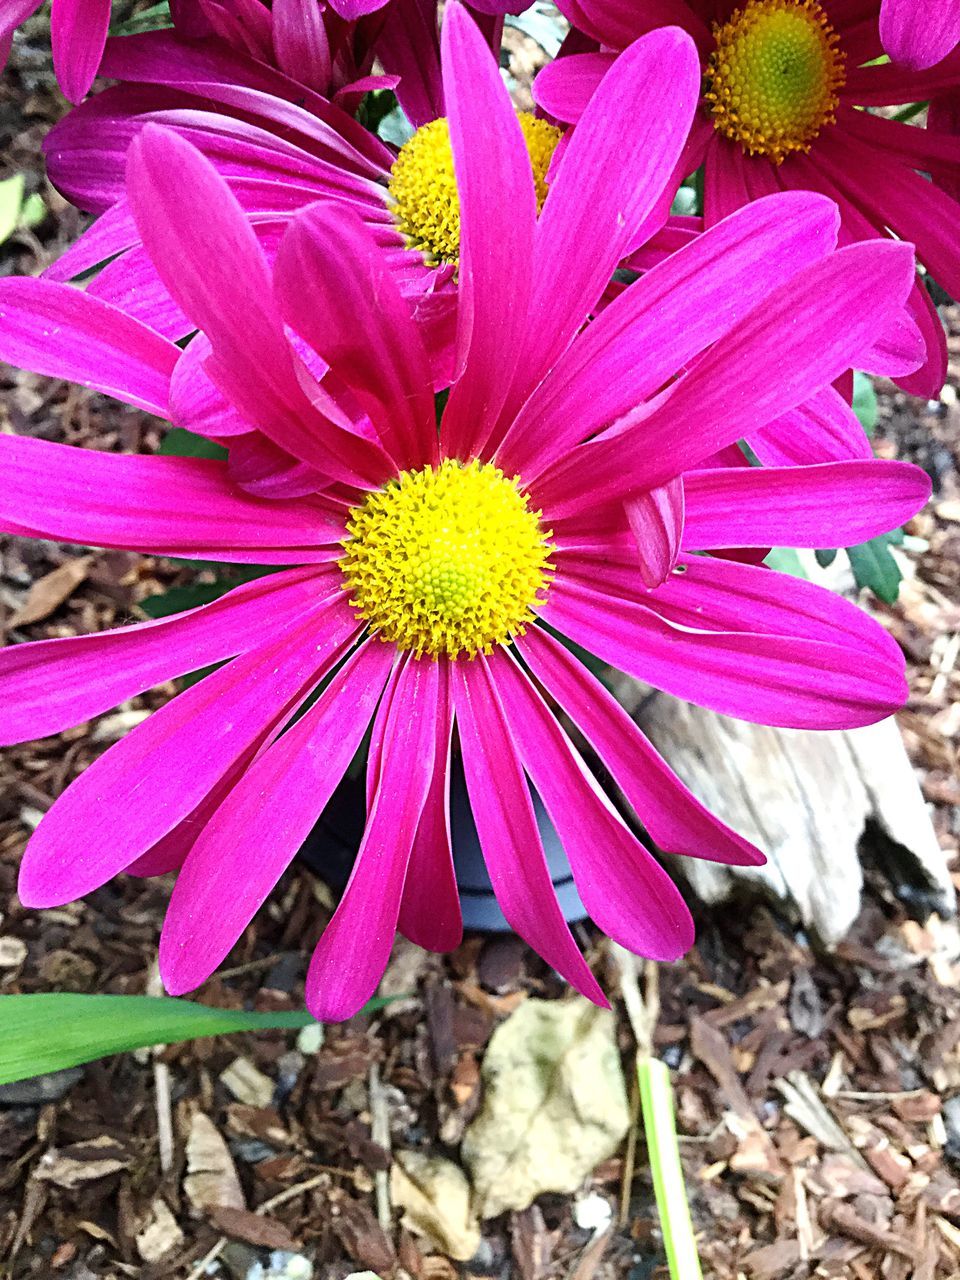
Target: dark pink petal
{"type": "Point", "coordinates": [661, 321]}
{"type": "Point", "coordinates": [498, 222]}
{"type": "Point", "coordinates": [676, 820]}
{"type": "Point", "coordinates": [195, 403]}
{"type": "Point", "coordinates": [822, 429]}
{"type": "Point", "coordinates": [60, 332]}
{"type": "Point", "coordinates": [833, 310]}
{"type": "Point", "coordinates": [831, 504]}
{"type": "Point", "coordinates": [167, 506]}
{"type": "Point", "coordinates": [352, 954]}
{"type": "Point", "coordinates": [300, 42]}
{"type": "Point", "coordinates": [924, 149]}
{"type": "Point", "coordinates": [209, 260]}
{"type": "Point", "coordinates": [656, 521]}
{"type": "Point", "coordinates": [565, 86]}
{"type": "Point", "coordinates": [257, 830]}
{"type": "Point", "coordinates": [626, 892]}
{"type": "Point", "coordinates": [430, 907]}
{"type": "Point", "coordinates": [12, 13]}
{"type": "Point", "coordinates": [409, 46]}
{"type": "Point", "coordinates": [779, 680]}
{"type": "Point", "coordinates": [49, 685]}
{"type": "Point", "coordinates": [144, 785]}
{"type": "Point", "coordinates": [507, 826]}
{"type": "Point", "coordinates": [337, 291]}
{"type": "Point", "coordinates": [617, 22]}
{"type": "Point", "coordinates": [890, 84]}
{"type": "Point", "coordinates": [353, 9]}
{"type": "Point", "coordinates": [78, 32]}
{"type": "Point", "coordinates": [919, 34]}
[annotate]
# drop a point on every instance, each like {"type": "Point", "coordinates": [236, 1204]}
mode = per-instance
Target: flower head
{"type": "Point", "coordinates": [573, 488]}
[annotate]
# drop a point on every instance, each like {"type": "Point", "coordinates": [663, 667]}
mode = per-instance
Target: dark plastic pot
{"type": "Point", "coordinates": [331, 847]}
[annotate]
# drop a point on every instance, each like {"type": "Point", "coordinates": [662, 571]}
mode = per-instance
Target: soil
{"type": "Point", "coordinates": [818, 1094]}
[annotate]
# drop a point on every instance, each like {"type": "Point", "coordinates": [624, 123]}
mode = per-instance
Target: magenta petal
{"type": "Point", "coordinates": [676, 820]}
{"type": "Point", "coordinates": [247, 843]}
{"type": "Point", "coordinates": [352, 954]}
{"type": "Point", "coordinates": [144, 785]}
{"type": "Point", "coordinates": [58, 331]}
{"type": "Point", "coordinates": [625, 891]}
{"type": "Point", "coordinates": [78, 33]}
{"type": "Point", "coordinates": [300, 42]}
{"type": "Point", "coordinates": [565, 86]}
{"type": "Point", "coordinates": [822, 429]}
{"type": "Point", "coordinates": [507, 827]}
{"type": "Point", "coordinates": [498, 221]}
{"type": "Point", "coordinates": [430, 907]}
{"type": "Point", "coordinates": [49, 685]}
{"type": "Point", "coordinates": [656, 521]}
{"type": "Point", "coordinates": [409, 46]}
{"type": "Point", "coordinates": [919, 34]}
{"type": "Point", "coordinates": [834, 503]}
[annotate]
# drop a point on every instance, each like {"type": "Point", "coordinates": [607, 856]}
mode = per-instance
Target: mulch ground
{"type": "Point", "coordinates": [817, 1093]}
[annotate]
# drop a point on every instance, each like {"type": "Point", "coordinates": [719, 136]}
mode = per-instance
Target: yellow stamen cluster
{"type": "Point", "coordinates": [423, 188]}
{"type": "Point", "coordinates": [773, 79]}
{"type": "Point", "coordinates": [447, 560]}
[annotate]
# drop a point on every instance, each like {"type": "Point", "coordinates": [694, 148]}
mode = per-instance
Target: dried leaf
{"type": "Point", "coordinates": [160, 1234]}
{"type": "Point", "coordinates": [72, 1166]}
{"type": "Point", "coordinates": [555, 1104]}
{"type": "Point", "coordinates": [247, 1083]}
{"type": "Point", "coordinates": [435, 1195]}
{"type": "Point", "coordinates": [50, 591]}
{"type": "Point", "coordinates": [253, 1228]}
{"type": "Point", "coordinates": [211, 1179]}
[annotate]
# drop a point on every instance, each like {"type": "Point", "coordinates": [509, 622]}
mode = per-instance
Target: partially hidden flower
{"type": "Point", "coordinates": [78, 32]}
{"type": "Point", "coordinates": [917, 33]}
{"type": "Point", "coordinates": [573, 493]}
{"type": "Point", "coordinates": [784, 84]}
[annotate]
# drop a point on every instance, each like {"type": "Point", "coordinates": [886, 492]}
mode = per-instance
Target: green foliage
{"type": "Point", "coordinates": [180, 443]}
{"type": "Point", "coordinates": [785, 560]}
{"type": "Point", "coordinates": [864, 402]}
{"type": "Point", "coordinates": [17, 210]}
{"type": "Point", "coordinates": [874, 566]}
{"type": "Point", "coordinates": [151, 19]}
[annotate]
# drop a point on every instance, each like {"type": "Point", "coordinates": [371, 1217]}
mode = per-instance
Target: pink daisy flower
{"type": "Point", "coordinates": [434, 570]}
{"type": "Point", "coordinates": [919, 34]}
{"type": "Point", "coordinates": [783, 84]}
{"type": "Point", "coordinates": [78, 31]}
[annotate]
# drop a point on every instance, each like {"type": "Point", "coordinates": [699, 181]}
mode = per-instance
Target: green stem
{"type": "Point", "coordinates": [656, 1103]}
{"type": "Point", "coordinates": [907, 113]}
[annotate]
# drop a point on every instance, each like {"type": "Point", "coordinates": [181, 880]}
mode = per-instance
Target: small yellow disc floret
{"type": "Point", "coordinates": [774, 77]}
{"type": "Point", "coordinates": [447, 560]}
{"type": "Point", "coordinates": [423, 188]}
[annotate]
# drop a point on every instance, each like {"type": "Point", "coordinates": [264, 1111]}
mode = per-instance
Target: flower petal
{"type": "Point", "coordinates": [78, 33]}
{"type": "Point", "coordinates": [656, 521]}
{"type": "Point", "coordinates": [822, 429]}
{"type": "Point", "coordinates": [917, 34]}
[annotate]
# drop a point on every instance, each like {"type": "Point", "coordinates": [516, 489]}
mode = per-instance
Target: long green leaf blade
{"type": "Point", "coordinates": [656, 1104]}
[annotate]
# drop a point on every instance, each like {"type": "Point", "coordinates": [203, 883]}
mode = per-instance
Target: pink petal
{"type": "Point", "coordinates": [409, 46]}
{"type": "Point", "coordinates": [78, 32]}
{"type": "Point", "coordinates": [352, 954]}
{"type": "Point", "coordinates": [565, 86]}
{"type": "Point", "coordinates": [507, 826]}
{"type": "Point", "coordinates": [822, 429]}
{"type": "Point", "coordinates": [430, 907]}
{"type": "Point", "coordinates": [257, 830]}
{"type": "Point", "coordinates": [60, 332]}
{"type": "Point", "coordinates": [625, 891]}
{"type": "Point", "coordinates": [167, 506]}
{"type": "Point", "coordinates": [498, 222]}
{"type": "Point", "coordinates": [144, 785]}
{"type": "Point", "coordinates": [676, 820]}
{"type": "Point", "coordinates": [919, 34]}
{"type": "Point", "coordinates": [49, 685]}
{"type": "Point", "coordinates": [656, 521]}
{"type": "Point", "coordinates": [300, 42]}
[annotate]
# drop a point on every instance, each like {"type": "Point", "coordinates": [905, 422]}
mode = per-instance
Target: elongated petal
{"type": "Point", "coordinates": [168, 506]}
{"type": "Point", "coordinates": [658, 324]}
{"type": "Point", "coordinates": [786, 681]}
{"type": "Point", "coordinates": [352, 954]}
{"type": "Point", "coordinates": [300, 42]}
{"type": "Point", "coordinates": [565, 86]}
{"type": "Point", "coordinates": [656, 521]}
{"type": "Point", "coordinates": [430, 907]}
{"type": "Point", "coordinates": [337, 291]}
{"type": "Point", "coordinates": [58, 331]}
{"type": "Point", "coordinates": [676, 820]}
{"type": "Point", "coordinates": [919, 35]}
{"type": "Point", "coordinates": [498, 221]}
{"type": "Point", "coordinates": [625, 891]}
{"type": "Point", "coordinates": [409, 46]}
{"type": "Point", "coordinates": [834, 503]}
{"type": "Point", "coordinates": [822, 429]}
{"type": "Point", "coordinates": [78, 32]}
{"type": "Point", "coordinates": [259, 827]}
{"type": "Point", "coordinates": [48, 685]}
{"type": "Point", "coordinates": [144, 785]}
{"type": "Point", "coordinates": [507, 827]}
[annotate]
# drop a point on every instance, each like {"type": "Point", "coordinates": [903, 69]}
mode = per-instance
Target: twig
{"type": "Point", "coordinates": [161, 1086]}
{"type": "Point", "coordinates": [380, 1132]}
{"type": "Point", "coordinates": [630, 1155]}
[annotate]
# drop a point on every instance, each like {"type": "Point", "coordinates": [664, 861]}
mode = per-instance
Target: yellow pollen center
{"type": "Point", "coordinates": [447, 560]}
{"type": "Point", "coordinates": [423, 189]}
{"type": "Point", "coordinates": [773, 79]}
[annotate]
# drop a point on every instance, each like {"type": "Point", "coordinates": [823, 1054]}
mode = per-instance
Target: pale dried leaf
{"type": "Point", "coordinates": [435, 1196]}
{"type": "Point", "coordinates": [50, 591]}
{"type": "Point", "coordinates": [555, 1104]}
{"type": "Point", "coordinates": [72, 1166]}
{"type": "Point", "coordinates": [13, 952]}
{"type": "Point", "coordinates": [211, 1176]}
{"type": "Point", "coordinates": [160, 1234]}
{"type": "Point", "coordinates": [247, 1083]}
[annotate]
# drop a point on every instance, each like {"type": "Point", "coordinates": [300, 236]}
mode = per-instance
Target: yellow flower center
{"type": "Point", "coordinates": [423, 188]}
{"type": "Point", "coordinates": [773, 79]}
{"type": "Point", "coordinates": [449, 560]}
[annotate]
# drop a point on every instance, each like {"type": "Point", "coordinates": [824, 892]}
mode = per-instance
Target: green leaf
{"type": "Point", "coordinates": [659, 1126]}
{"type": "Point", "coordinates": [826, 558]}
{"type": "Point", "coordinates": [188, 597]}
{"type": "Point", "coordinates": [152, 19]}
{"type": "Point", "coordinates": [864, 402]}
{"type": "Point", "coordinates": [180, 443]}
{"type": "Point", "coordinates": [43, 1033]}
{"type": "Point", "coordinates": [33, 211]}
{"type": "Point", "coordinates": [785, 560]}
{"type": "Point", "coordinates": [874, 566]}
{"type": "Point", "coordinates": [11, 202]}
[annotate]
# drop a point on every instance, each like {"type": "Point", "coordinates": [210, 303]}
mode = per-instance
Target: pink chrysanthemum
{"type": "Point", "coordinates": [78, 30]}
{"type": "Point", "coordinates": [435, 570]}
{"type": "Point", "coordinates": [784, 81]}
{"type": "Point", "coordinates": [917, 33]}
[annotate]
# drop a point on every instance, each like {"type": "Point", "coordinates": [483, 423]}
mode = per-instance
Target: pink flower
{"type": "Point", "coordinates": [803, 68]}
{"type": "Point", "coordinates": [919, 34]}
{"type": "Point", "coordinates": [434, 570]}
{"type": "Point", "coordinates": [78, 29]}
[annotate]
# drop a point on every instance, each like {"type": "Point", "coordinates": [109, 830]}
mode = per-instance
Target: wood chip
{"type": "Point", "coordinates": [50, 591]}
{"type": "Point", "coordinates": [211, 1179]}
{"type": "Point", "coordinates": [82, 1162]}
{"type": "Point", "coordinates": [248, 1083]}
{"type": "Point", "coordinates": [253, 1228]}
{"type": "Point", "coordinates": [160, 1235]}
